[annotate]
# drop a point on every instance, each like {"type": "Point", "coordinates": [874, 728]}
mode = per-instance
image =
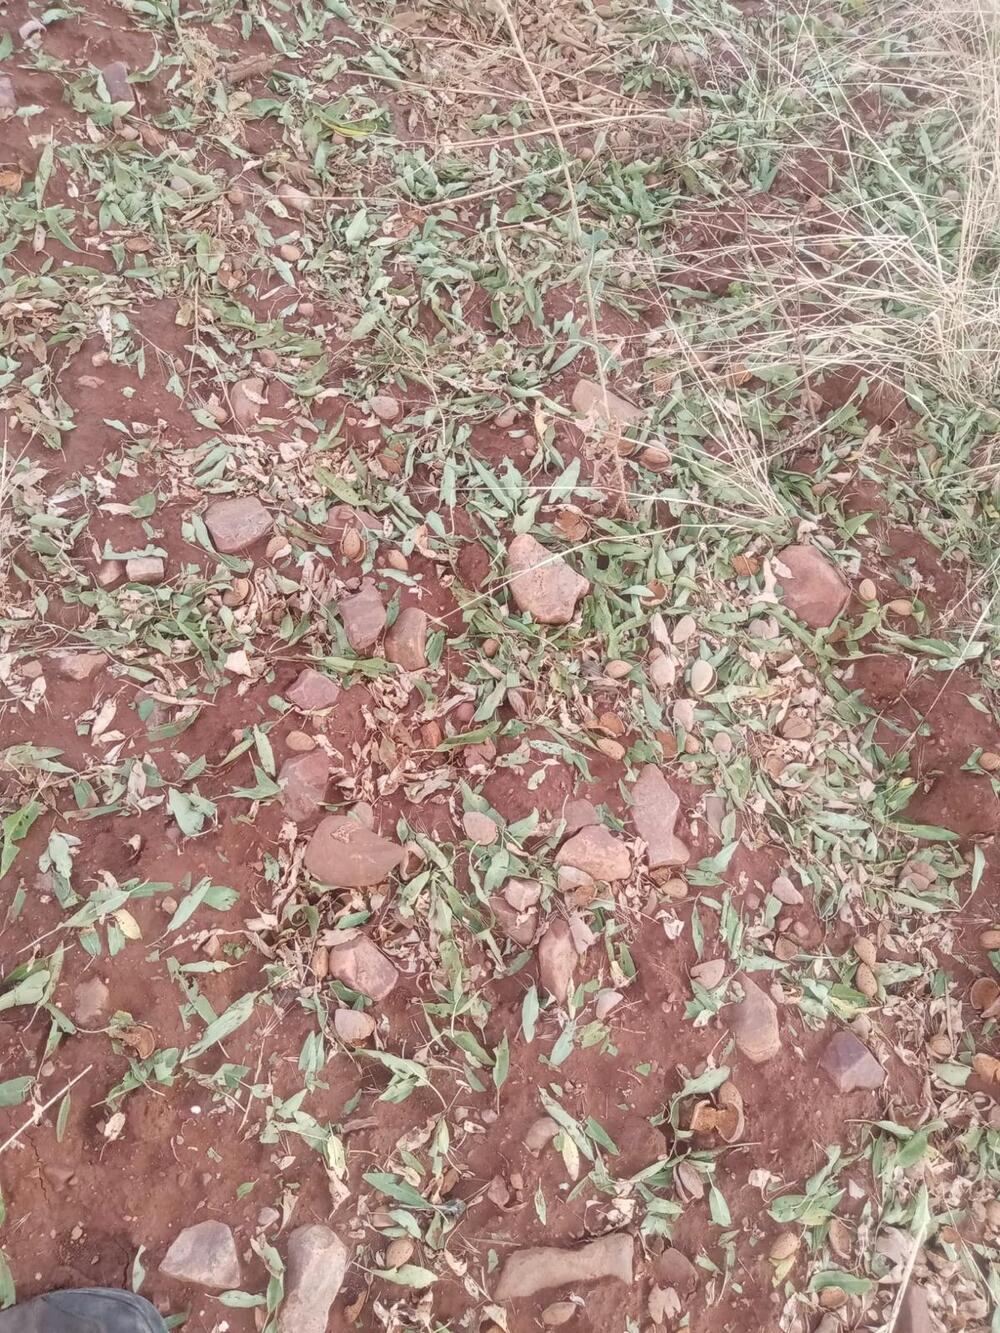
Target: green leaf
{"type": "Point", "coordinates": [15, 828]}
{"type": "Point", "coordinates": [138, 1271]}
{"type": "Point", "coordinates": [62, 1119]}
{"type": "Point", "coordinates": [501, 1063]}
{"type": "Point", "coordinates": [225, 1025]}
{"type": "Point", "coordinates": [407, 1275]}
{"type": "Point", "coordinates": [529, 1013]}
{"type": "Point", "coordinates": [15, 1090]}
{"type": "Point", "coordinates": [394, 1187]}
{"type": "Point", "coordinates": [718, 1207]}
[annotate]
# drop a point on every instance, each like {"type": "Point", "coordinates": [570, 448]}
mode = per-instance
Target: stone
{"type": "Point", "coordinates": [850, 1064]}
{"type": "Point", "coordinates": [353, 1026]}
{"type": "Point", "coordinates": [361, 965]}
{"type": "Point", "coordinates": [527, 1271]}
{"type": "Point", "coordinates": [267, 1217]}
{"type": "Point", "coordinates": [589, 400]}
{"type": "Point", "coordinates": [115, 76]}
{"type": "Point", "coordinates": [90, 1000]}
{"type": "Point", "coordinates": [540, 1133]}
{"type": "Point", "coordinates": [304, 781]}
{"type": "Point", "coordinates": [406, 639]}
{"type": "Point", "coordinates": [314, 1272]}
{"type": "Point", "coordinates": [675, 1269]}
{"type": "Point", "coordinates": [480, 828]}
{"type": "Point", "coordinates": [571, 880]}
{"type": "Point", "coordinates": [346, 854]}
{"type": "Point", "coordinates": [786, 892]}
{"type": "Point", "coordinates": [522, 894]}
{"type": "Point", "coordinates": [577, 814]}
{"type": "Point", "coordinates": [755, 1023]}
{"type": "Point", "coordinates": [8, 97]}
{"type": "Point", "coordinates": [543, 584]}
{"type": "Point", "coordinates": [655, 809]}
{"type": "Point", "coordinates": [385, 407]}
{"type": "Point", "coordinates": [144, 569]}
{"type": "Point", "coordinates": [246, 398]}
{"type": "Point", "coordinates": [236, 525]}
{"type": "Point", "coordinates": [517, 926]}
{"type": "Point", "coordinates": [709, 974]}
{"type": "Point", "coordinates": [559, 1313]}
{"type": "Point", "coordinates": [598, 853]}
{"type": "Point", "coordinates": [557, 960]}
{"type": "Point", "coordinates": [312, 691]}
{"type": "Point", "coordinates": [914, 1312]}
{"type": "Point", "coordinates": [300, 741]}
{"type": "Point", "coordinates": [813, 587]}
{"type": "Point", "coordinates": [204, 1254]}
{"type": "Point", "coordinates": [110, 572]}
{"type": "Point", "coordinates": [77, 666]}
{"type": "Point", "coordinates": [363, 615]}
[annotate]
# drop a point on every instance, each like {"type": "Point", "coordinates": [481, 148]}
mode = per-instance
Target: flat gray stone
{"type": "Point", "coordinates": [542, 583]}
{"type": "Point", "coordinates": [754, 1022]}
{"type": "Point", "coordinates": [655, 811]}
{"type": "Point", "coordinates": [538, 1269]}
{"type": "Point", "coordinates": [363, 615]}
{"type": "Point", "coordinates": [205, 1255]}
{"type": "Point", "coordinates": [314, 1272]}
{"type": "Point", "coordinates": [236, 525]}
{"type": "Point", "coordinates": [850, 1064]}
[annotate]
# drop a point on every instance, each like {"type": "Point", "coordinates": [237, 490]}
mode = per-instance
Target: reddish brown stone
{"type": "Point", "coordinates": [304, 780]}
{"type": "Point", "coordinates": [313, 691]}
{"type": "Point", "coordinates": [363, 615]}
{"type": "Point", "coordinates": [363, 967]}
{"type": "Point", "coordinates": [850, 1064]}
{"type": "Point", "coordinates": [236, 525]}
{"type": "Point", "coordinates": [406, 640]}
{"type": "Point", "coordinates": [346, 854]}
{"type": "Point", "coordinates": [814, 588]}
{"type": "Point", "coordinates": [542, 583]}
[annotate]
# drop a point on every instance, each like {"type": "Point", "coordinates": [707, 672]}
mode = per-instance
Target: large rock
{"type": "Point", "coordinates": [598, 852]}
{"type": "Point", "coordinates": [813, 588]}
{"type": "Point", "coordinates": [543, 584]}
{"type": "Point", "coordinates": [850, 1064]}
{"type": "Point", "coordinates": [655, 808]}
{"type": "Point", "coordinates": [303, 781]}
{"type": "Point", "coordinates": [557, 960]}
{"type": "Point", "coordinates": [589, 401]}
{"type": "Point", "coordinates": [406, 641]}
{"type": "Point", "coordinates": [312, 691]}
{"type": "Point", "coordinates": [345, 854]}
{"type": "Point", "coordinates": [361, 965]}
{"type": "Point", "coordinates": [204, 1254]}
{"type": "Point", "coordinates": [236, 525]}
{"type": "Point", "coordinates": [527, 1271]}
{"type": "Point", "coordinates": [314, 1272]}
{"type": "Point", "coordinates": [363, 615]}
{"type": "Point", "coordinates": [754, 1022]}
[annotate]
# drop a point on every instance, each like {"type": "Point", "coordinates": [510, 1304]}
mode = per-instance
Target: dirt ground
{"type": "Point", "coordinates": [373, 267]}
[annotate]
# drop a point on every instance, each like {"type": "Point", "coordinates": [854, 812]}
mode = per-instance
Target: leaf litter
{"type": "Point", "coordinates": [595, 283]}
